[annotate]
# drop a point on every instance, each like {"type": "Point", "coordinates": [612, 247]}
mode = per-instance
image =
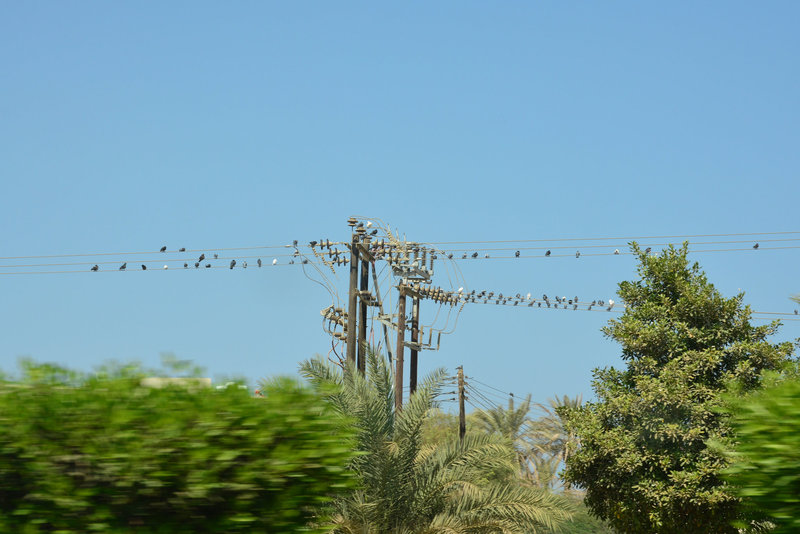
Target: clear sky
{"type": "Point", "coordinates": [208, 125]}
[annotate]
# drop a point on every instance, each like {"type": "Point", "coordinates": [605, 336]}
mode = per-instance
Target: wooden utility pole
{"type": "Point", "coordinates": [462, 417]}
{"type": "Point", "coordinates": [401, 329]}
{"type": "Point", "coordinates": [352, 310]}
{"type": "Point", "coordinates": [412, 377]}
{"type": "Point", "coordinates": [362, 325]}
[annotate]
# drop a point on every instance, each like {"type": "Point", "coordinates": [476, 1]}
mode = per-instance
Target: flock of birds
{"type": "Point", "coordinates": [199, 262]}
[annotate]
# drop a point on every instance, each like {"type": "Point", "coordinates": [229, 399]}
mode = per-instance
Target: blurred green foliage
{"type": "Point", "coordinates": [766, 455]}
{"type": "Point", "coordinates": [101, 453]}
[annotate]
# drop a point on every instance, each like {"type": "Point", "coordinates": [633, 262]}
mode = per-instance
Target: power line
{"type": "Point", "coordinates": [626, 238]}
{"type": "Point", "coordinates": [201, 250]}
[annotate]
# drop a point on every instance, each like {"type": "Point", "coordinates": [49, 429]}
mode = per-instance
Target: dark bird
{"type": "Point", "coordinates": [244, 265]}
{"type": "Point", "coordinates": [294, 243]}
{"type": "Point", "coordinates": [755, 246]}
{"type": "Point", "coordinates": [374, 232]}
{"type": "Point", "coordinates": [313, 244]}
{"type": "Point", "coordinates": [164, 248]}
{"type": "Point", "coordinates": [539, 305]}
{"type": "Point", "coordinates": [259, 262]}
{"type": "Point", "coordinates": [575, 307]}
{"type": "Point", "coordinates": [208, 265]}
{"type": "Point", "coordinates": [576, 298]}
{"type": "Point", "coordinates": [95, 268]}
{"type": "Point", "coordinates": [449, 256]}
{"type": "Point", "coordinates": [647, 250]}
{"type": "Point", "coordinates": [185, 265]}
{"type": "Point", "coordinates": [544, 296]}
{"type": "Point", "coordinates": [182, 249]}
{"type": "Point", "coordinates": [233, 263]}
{"type": "Point", "coordinates": [547, 253]}
{"type": "Point", "coordinates": [516, 254]}
{"type": "Point", "coordinates": [795, 312]}
{"type": "Point", "coordinates": [360, 225]}
{"type": "Point", "coordinates": [291, 262]}
{"type": "Point", "coordinates": [123, 266]}
{"type": "Point", "coordinates": [196, 265]}
{"type": "Point", "coordinates": [216, 256]}
{"type": "Point", "coordinates": [144, 267]}
{"type": "Point", "coordinates": [464, 256]}
{"type": "Point", "coordinates": [578, 254]}
{"type": "Point", "coordinates": [305, 261]}
{"type": "Point", "coordinates": [202, 257]}
{"type": "Point", "coordinates": [474, 254]}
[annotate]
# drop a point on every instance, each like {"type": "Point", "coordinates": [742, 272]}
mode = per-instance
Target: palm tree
{"type": "Point", "coordinates": [408, 487]}
{"type": "Point", "coordinates": [548, 433]}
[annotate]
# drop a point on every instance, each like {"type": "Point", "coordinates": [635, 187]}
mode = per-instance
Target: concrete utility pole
{"type": "Point", "coordinates": [412, 378]}
{"type": "Point", "coordinates": [462, 417]}
{"type": "Point", "coordinates": [401, 329]}
{"type": "Point", "coordinates": [352, 311]}
{"type": "Point", "coordinates": [364, 287]}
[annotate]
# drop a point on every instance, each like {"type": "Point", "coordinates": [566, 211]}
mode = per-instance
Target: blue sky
{"type": "Point", "coordinates": [208, 125]}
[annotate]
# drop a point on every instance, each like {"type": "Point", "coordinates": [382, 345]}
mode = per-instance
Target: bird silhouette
{"type": "Point", "coordinates": [202, 257]}
{"type": "Point", "coordinates": [233, 263]}
{"type": "Point", "coordinates": [185, 265]}
{"type": "Point", "coordinates": [305, 261]}
{"type": "Point", "coordinates": [291, 262]}
{"type": "Point", "coordinates": [474, 254]}
{"type": "Point", "coordinates": [647, 250]}
{"type": "Point", "coordinates": [312, 244]}
{"type": "Point", "coordinates": [164, 248]}
{"type": "Point", "coordinates": [755, 246]}
{"type": "Point", "coordinates": [196, 265]}
{"type": "Point", "coordinates": [144, 267]}
{"type": "Point", "coordinates": [123, 266]}
{"type": "Point", "coordinates": [216, 256]}
{"type": "Point", "coordinates": [547, 253]}
{"type": "Point", "coordinates": [516, 254]}
{"type": "Point", "coordinates": [208, 265]}
{"type": "Point", "coordinates": [464, 256]}
{"type": "Point", "coordinates": [259, 262]}
{"type": "Point", "coordinates": [95, 268]}
{"type": "Point", "coordinates": [578, 254]}
{"type": "Point", "coordinates": [616, 251]}
{"type": "Point", "coordinates": [374, 232]}
{"type": "Point", "coordinates": [244, 265]}
{"type": "Point", "coordinates": [182, 249]}
{"type": "Point", "coordinates": [449, 256]}
{"type": "Point", "coordinates": [274, 261]}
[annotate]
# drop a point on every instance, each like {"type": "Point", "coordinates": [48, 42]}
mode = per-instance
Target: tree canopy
{"type": "Point", "coordinates": [643, 456]}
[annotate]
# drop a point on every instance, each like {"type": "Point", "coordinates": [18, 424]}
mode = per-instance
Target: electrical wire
{"type": "Point", "coordinates": [617, 238]}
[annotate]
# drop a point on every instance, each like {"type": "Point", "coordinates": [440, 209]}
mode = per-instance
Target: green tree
{"type": "Point", "coordinates": [101, 453]}
{"type": "Point", "coordinates": [551, 441]}
{"type": "Point", "coordinates": [765, 452]}
{"type": "Point", "coordinates": [409, 487]}
{"type": "Point", "coordinates": [643, 457]}
{"type": "Point", "coordinates": [512, 423]}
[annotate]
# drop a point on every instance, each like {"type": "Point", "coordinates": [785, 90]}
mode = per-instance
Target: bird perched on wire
{"type": "Point", "coordinates": [259, 262]}
{"type": "Point", "coordinates": [182, 249]}
{"type": "Point", "coordinates": [216, 256]}
{"type": "Point", "coordinates": [123, 266]}
{"type": "Point", "coordinates": [547, 253]}
{"type": "Point", "coordinates": [577, 253]}
{"type": "Point", "coordinates": [474, 254]}
{"type": "Point", "coordinates": [616, 251]}
{"type": "Point", "coordinates": [202, 257]}
{"type": "Point", "coordinates": [196, 265]}
{"type": "Point", "coordinates": [185, 265]}
{"type": "Point", "coordinates": [144, 267]}
{"type": "Point", "coordinates": [166, 267]}
{"type": "Point", "coordinates": [244, 265]}
{"type": "Point", "coordinates": [233, 263]}
{"type": "Point", "coordinates": [755, 246]}
{"type": "Point", "coordinates": [208, 265]}
{"type": "Point", "coordinates": [374, 232]}
{"type": "Point", "coordinates": [95, 268]}
{"type": "Point", "coordinates": [274, 261]}
{"type": "Point", "coordinates": [516, 254]}
{"type": "Point", "coordinates": [163, 249]}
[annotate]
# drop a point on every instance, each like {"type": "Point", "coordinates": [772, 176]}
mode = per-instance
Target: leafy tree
{"type": "Point", "coordinates": [643, 457]}
{"type": "Point", "coordinates": [409, 487]}
{"type": "Point", "coordinates": [101, 453]}
{"type": "Point", "coordinates": [765, 471]}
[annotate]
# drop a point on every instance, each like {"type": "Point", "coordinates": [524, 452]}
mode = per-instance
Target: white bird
{"type": "Point", "coordinates": [369, 223]}
{"type": "Point", "coordinates": [166, 267]}
{"type": "Point", "coordinates": [460, 289]}
{"type": "Point", "coordinates": [274, 261]}
{"type": "Point", "coordinates": [529, 296]}
{"type": "Point", "coordinates": [616, 251]}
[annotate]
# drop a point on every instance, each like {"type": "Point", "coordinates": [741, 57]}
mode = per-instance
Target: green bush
{"type": "Point", "coordinates": [766, 456]}
{"type": "Point", "coordinates": [102, 453]}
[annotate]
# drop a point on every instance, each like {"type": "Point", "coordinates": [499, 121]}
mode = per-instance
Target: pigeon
{"type": "Point", "coordinates": [202, 257]}
{"type": "Point", "coordinates": [369, 223]}
{"type": "Point", "coordinates": [647, 250]}
{"type": "Point", "coordinates": [208, 265]}
{"type": "Point", "coordinates": [123, 266]}
{"type": "Point", "coordinates": [291, 262]}
{"type": "Point", "coordinates": [610, 303]}
{"type": "Point", "coordinates": [233, 263]}
{"type": "Point", "coordinates": [374, 232]}
{"type": "Point", "coordinates": [305, 261]}
{"type": "Point", "coordinates": [274, 261]}
{"type": "Point", "coordinates": [578, 254]}
{"type": "Point", "coordinates": [449, 256]}
{"type": "Point", "coordinates": [460, 289]}
{"type": "Point", "coordinates": [360, 225]}
{"type": "Point", "coordinates": [544, 296]}
{"type": "Point", "coordinates": [144, 267]}
{"type": "Point", "coordinates": [516, 254]}
{"type": "Point", "coordinates": [755, 246]}
{"type": "Point", "coordinates": [196, 265]}
{"type": "Point", "coordinates": [313, 244]}
{"type": "Point", "coordinates": [95, 268]}
{"type": "Point", "coordinates": [182, 249]}
{"type": "Point", "coordinates": [294, 243]}
{"type": "Point", "coordinates": [165, 267]}
{"type": "Point", "coordinates": [474, 254]}
{"type": "Point", "coordinates": [486, 256]}
{"type": "Point", "coordinates": [244, 265]}
{"type": "Point", "coordinates": [464, 256]}
{"type": "Point", "coordinates": [575, 307]}
{"type": "Point", "coordinates": [164, 248]}
{"type": "Point", "coordinates": [616, 251]}
{"type": "Point", "coordinates": [216, 256]}
{"type": "Point", "coordinates": [528, 296]}
{"type": "Point", "coordinates": [795, 312]}
{"type": "Point", "coordinates": [547, 253]}
{"type": "Point", "coordinates": [576, 298]}
{"type": "Point", "coordinates": [185, 265]}
{"type": "Point", "coordinates": [259, 262]}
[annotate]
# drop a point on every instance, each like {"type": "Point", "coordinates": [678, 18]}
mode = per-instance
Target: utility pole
{"type": "Point", "coordinates": [462, 418]}
{"type": "Point", "coordinates": [364, 287]}
{"type": "Point", "coordinates": [401, 329]}
{"type": "Point", "coordinates": [412, 378]}
{"type": "Point", "coordinates": [352, 311]}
